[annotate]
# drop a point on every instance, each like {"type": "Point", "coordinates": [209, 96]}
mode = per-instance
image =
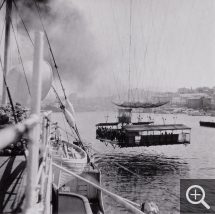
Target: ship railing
{"type": "Point", "coordinates": [39, 193]}
{"type": "Point", "coordinates": [122, 201]}
{"type": "Point", "coordinates": [12, 134]}
{"type": "Point", "coordinates": [44, 175]}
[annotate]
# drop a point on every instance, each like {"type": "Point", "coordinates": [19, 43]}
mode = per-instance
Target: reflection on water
{"type": "Point", "coordinates": [149, 173]}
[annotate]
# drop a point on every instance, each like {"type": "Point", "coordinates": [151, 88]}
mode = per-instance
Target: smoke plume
{"type": "Point", "coordinates": [71, 39]}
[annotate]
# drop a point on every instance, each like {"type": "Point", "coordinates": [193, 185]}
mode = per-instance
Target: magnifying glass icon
{"type": "Point", "coordinates": [196, 195]}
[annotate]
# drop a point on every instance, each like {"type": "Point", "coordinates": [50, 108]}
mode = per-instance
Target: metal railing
{"type": "Point", "coordinates": [43, 176]}
{"type": "Point", "coordinates": [38, 182]}
{"type": "Point", "coordinates": [14, 133]}
{"type": "Point", "coordinates": [124, 202]}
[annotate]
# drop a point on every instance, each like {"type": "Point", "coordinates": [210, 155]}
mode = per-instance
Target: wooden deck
{"type": "Point", "coordinates": [12, 183]}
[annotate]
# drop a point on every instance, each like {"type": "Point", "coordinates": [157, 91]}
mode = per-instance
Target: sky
{"type": "Point", "coordinates": [112, 46]}
{"type": "Point", "coordinates": [172, 42]}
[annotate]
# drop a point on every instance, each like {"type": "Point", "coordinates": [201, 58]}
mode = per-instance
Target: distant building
{"type": "Point", "coordinates": [206, 90]}
{"type": "Point", "coordinates": [195, 103]}
{"type": "Point", "coordinates": [206, 102]}
{"type": "Point", "coordinates": [199, 103]}
{"type": "Point", "coordinates": [185, 90]}
{"type": "Point", "coordinates": [161, 98]}
{"type": "Point", "coordinates": [213, 99]}
{"type": "Point", "coordinates": [178, 101]}
{"type": "Point", "coordinates": [185, 97]}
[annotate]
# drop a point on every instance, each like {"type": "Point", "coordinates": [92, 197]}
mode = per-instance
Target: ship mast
{"type": "Point", "coordinates": [6, 48]}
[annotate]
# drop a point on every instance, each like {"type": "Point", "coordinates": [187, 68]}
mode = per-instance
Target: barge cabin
{"type": "Point", "coordinates": [124, 133]}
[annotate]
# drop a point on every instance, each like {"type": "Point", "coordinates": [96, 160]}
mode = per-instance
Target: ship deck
{"type": "Point", "coordinates": [12, 183]}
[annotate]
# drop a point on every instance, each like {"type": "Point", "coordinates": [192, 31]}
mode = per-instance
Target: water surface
{"type": "Point", "coordinates": [153, 173]}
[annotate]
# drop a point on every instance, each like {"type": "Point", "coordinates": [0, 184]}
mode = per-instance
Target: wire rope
{"type": "Point", "coordinates": [2, 32]}
{"type": "Point", "coordinates": [65, 127]}
{"type": "Point", "coordinates": [187, 79]}
{"type": "Point", "coordinates": [8, 92]}
{"type": "Point", "coordinates": [129, 69]}
{"type": "Point", "coordinates": [149, 37]}
{"type": "Point", "coordinates": [19, 55]}
{"type": "Point", "coordinates": [55, 64]}
{"type": "Point", "coordinates": [109, 54]}
{"type": "Point", "coordinates": [2, 3]}
{"type": "Point", "coordinates": [183, 44]}
{"type": "Point", "coordinates": [23, 22]}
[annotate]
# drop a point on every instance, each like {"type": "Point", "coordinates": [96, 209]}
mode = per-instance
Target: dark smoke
{"type": "Point", "coordinates": [70, 37]}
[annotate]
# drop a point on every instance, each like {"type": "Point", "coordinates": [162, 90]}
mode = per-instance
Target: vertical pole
{"type": "Point", "coordinates": [34, 134]}
{"type": "Point", "coordinates": [43, 143]}
{"type": "Point", "coordinates": [6, 48]}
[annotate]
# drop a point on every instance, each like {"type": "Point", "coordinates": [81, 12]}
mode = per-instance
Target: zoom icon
{"type": "Point", "coordinates": [197, 196]}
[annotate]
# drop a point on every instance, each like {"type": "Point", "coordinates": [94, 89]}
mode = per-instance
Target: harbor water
{"type": "Point", "coordinates": [149, 173]}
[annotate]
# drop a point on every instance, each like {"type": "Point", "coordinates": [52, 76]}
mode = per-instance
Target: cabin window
{"type": "Point", "coordinates": [137, 138]}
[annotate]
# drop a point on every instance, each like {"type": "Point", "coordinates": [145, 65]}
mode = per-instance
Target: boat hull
{"type": "Point", "coordinates": [207, 124]}
{"type": "Point", "coordinates": [75, 165]}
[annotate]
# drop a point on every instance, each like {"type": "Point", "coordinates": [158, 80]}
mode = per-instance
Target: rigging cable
{"type": "Point", "coordinates": [61, 128]}
{"type": "Point", "coordinates": [65, 127]}
{"type": "Point", "coordinates": [23, 22]}
{"type": "Point", "coordinates": [148, 41]}
{"type": "Point", "coordinates": [173, 33]}
{"type": "Point", "coordinates": [8, 92]}
{"type": "Point", "coordinates": [183, 45]}
{"type": "Point", "coordinates": [120, 43]}
{"type": "Point", "coordinates": [2, 32]}
{"type": "Point", "coordinates": [63, 107]}
{"type": "Point", "coordinates": [109, 55]}
{"type": "Point", "coordinates": [57, 96]}
{"type": "Point", "coordinates": [19, 54]}
{"type": "Point", "coordinates": [55, 64]}
{"type": "Point", "coordinates": [187, 79]}
{"type": "Point", "coordinates": [129, 69]}
{"type": "Point", "coordinates": [4, 79]}
{"type": "Point", "coordinates": [3, 1]}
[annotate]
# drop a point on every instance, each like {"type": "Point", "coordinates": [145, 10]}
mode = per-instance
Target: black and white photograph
{"type": "Point", "coordinates": [107, 106]}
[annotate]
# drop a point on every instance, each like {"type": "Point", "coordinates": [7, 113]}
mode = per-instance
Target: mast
{"type": "Point", "coordinates": [6, 47]}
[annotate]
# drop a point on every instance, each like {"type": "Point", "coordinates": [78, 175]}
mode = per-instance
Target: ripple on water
{"type": "Point", "coordinates": [156, 171]}
{"type": "Point", "coordinates": [142, 177]}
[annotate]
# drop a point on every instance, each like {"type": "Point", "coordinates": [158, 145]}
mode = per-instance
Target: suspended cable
{"type": "Point", "coordinates": [9, 95]}
{"type": "Point", "coordinates": [19, 54]}
{"type": "Point", "coordinates": [3, 1]}
{"type": "Point", "coordinates": [60, 127]}
{"type": "Point", "coordinates": [23, 23]}
{"type": "Point", "coordinates": [65, 129]}
{"type": "Point", "coordinates": [183, 44]}
{"type": "Point", "coordinates": [63, 107]}
{"type": "Point", "coordinates": [129, 69]}
{"type": "Point", "coordinates": [171, 41]}
{"type": "Point", "coordinates": [188, 79]}
{"type": "Point", "coordinates": [2, 32]}
{"type": "Point", "coordinates": [58, 96]}
{"type": "Point", "coordinates": [109, 55]}
{"type": "Point", "coordinates": [55, 64]}
{"type": "Point", "coordinates": [149, 37]}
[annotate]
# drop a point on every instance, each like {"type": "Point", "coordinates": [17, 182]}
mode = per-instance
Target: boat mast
{"type": "Point", "coordinates": [6, 47]}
